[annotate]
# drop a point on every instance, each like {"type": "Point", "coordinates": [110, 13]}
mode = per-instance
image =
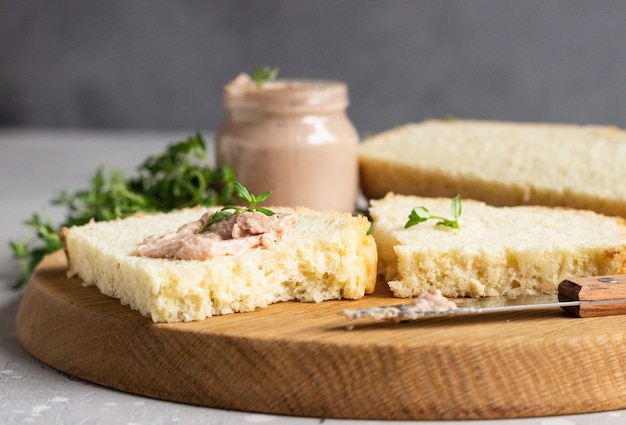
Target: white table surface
{"type": "Point", "coordinates": [34, 165]}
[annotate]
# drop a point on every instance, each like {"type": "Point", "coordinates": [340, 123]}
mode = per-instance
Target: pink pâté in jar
{"type": "Point", "coordinates": [292, 137]}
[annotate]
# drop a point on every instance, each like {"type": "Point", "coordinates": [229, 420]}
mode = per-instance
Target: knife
{"type": "Point", "coordinates": [581, 297]}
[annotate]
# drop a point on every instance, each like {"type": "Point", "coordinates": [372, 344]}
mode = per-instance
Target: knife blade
{"type": "Point", "coordinates": [581, 297]}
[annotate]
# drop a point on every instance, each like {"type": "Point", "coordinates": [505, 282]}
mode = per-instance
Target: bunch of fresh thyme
{"type": "Point", "coordinates": [179, 177]}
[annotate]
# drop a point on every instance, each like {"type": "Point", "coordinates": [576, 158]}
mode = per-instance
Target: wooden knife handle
{"type": "Point", "coordinates": [596, 288]}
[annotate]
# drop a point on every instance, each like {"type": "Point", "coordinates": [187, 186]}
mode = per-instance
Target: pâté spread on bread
{"type": "Point", "coordinates": [239, 232]}
{"type": "Point", "coordinates": [230, 230]}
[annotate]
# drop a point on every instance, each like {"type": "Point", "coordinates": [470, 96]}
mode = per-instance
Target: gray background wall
{"type": "Point", "coordinates": [162, 63]}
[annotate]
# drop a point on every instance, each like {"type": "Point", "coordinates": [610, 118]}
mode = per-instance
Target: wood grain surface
{"type": "Point", "coordinates": [299, 359]}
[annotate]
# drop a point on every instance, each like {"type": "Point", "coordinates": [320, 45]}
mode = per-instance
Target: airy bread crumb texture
{"type": "Point", "coordinates": [496, 251]}
{"type": "Point", "coordinates": [326, 255]}
{"type": "Point", "coordinates": [501, 163]}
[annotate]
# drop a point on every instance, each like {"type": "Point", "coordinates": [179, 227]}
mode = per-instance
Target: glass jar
{"type": "Point", "coordinates": [292, 137]}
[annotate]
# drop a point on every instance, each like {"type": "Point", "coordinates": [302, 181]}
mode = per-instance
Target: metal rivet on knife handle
{"type": "Point", "coordinates": [589, 290]}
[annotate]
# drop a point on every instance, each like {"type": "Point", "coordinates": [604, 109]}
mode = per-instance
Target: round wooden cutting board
{"type": "Point", "coordinates": [299, 359]}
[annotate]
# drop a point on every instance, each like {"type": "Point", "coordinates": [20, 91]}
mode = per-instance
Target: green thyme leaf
{"type": "Point", "coordinates": [265, 211]}
{"type": "Point", "coordinates": [243, 193]}
{"type": "Point", "coordinates": [456, 208]}
{"type": "Point", "coordinates": [417, 215]}
{"type": "Point", "coordinates": [421, 214]}
{"type": "Point", "coordinates": [263, 74]}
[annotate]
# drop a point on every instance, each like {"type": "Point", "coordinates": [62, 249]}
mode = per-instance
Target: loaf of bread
{"type": "Point", "coordinates": [496, 250]}
{"type": "Point", "coordinates": [500, 163]}
{"type": "Point", "coordinates": [326, 255]}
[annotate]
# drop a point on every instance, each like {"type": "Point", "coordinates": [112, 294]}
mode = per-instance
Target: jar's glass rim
{"type": "Point", "coordinates": [303, 84]}
{"type": "Point", "coordinates": [285, 85]}
{"type": "Point", "coordinates": [291, 93]}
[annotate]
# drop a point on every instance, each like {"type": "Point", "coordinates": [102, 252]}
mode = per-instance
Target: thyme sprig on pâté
{"type": "Point", "coordinates": [421, 214]}
{"type": "Point", "coordinates": [263, 74]}
{"type": "Point", "coordinates": [179, 177]}
{"type": "Point", "coordinates": [228, 210]}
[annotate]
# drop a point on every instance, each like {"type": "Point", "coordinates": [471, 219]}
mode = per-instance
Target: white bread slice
{"type": "Point", "coordinates": [501, 163]}
{"type": "Point", "coordinates": [327, 255]}
{"type": "Point", "coordinates": [496, 251]}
